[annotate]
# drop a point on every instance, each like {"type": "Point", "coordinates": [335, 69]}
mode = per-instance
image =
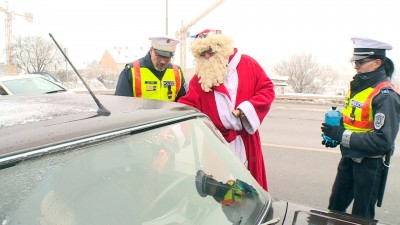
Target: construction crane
{"type": "Point", "coordinates": [9, 16]}
{"type": "Point", "coordinates": [182, 34]}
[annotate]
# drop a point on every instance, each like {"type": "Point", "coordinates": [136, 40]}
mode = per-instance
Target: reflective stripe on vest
{"type": "Point", "coordinates": [137, 82]}
{"type": "Point", "coordinates": [146, 85]}
{"type": "Point", "coordinates": [361, 108]}
{"type": "Point", "coordinates": [177, 78]}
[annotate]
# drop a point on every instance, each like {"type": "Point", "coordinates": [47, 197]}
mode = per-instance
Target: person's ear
{"type": "Point", "coordinates": [378, 63]}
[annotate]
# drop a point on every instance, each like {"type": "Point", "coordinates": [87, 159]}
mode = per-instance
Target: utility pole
{"type": "Point", "coordinates": [182, 33]}
{"type": "Point", "coordinates": [166, 17]}
{"type": "Point", "coordinates": [8, 33]}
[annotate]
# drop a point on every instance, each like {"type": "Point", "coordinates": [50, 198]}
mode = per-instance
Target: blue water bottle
{"type": "Point", "coordinates": [333, 117]}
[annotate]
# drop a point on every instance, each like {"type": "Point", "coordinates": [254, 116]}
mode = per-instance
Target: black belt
{"type": "Point", "coordinates": [359, 160]}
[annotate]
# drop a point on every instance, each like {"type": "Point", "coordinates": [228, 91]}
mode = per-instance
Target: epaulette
{"type": "Point", "coordinates": [386, 90]}
{"type": "Point", "coordinates": [128, 66]}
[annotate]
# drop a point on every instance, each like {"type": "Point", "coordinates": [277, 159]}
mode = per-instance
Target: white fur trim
{"type": "Point", "coordinates": [225, 108]}
{"type": "Point", "coordinates": [237, 147]}
{"type": "Point", "coordinates": [235, 61]}
{"type": "Point", "coordinates": [231, 80]}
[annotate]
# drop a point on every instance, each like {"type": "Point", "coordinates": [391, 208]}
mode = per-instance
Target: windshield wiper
{"type": "Point", "coordinates": [49, 92]}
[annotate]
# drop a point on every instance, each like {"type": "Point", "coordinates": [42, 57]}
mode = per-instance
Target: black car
{"type": "Point", "coordinates": [148, 162]}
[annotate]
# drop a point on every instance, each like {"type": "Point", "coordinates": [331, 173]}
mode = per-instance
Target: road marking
{"type": "Point", "coordinates": [336, 150]}
{"type": "Point", "coordinates": [299, 109]}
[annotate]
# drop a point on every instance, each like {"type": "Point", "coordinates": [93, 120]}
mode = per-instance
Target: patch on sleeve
{"type": "Point", "coordinates": [379, 120]}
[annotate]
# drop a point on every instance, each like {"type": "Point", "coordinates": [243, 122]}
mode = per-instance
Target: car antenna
{"type": "Point", "coordinates": [102, 111]}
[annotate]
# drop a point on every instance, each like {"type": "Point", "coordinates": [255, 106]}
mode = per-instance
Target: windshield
{"type": "Point", "coordinates": [176, 174]}
{"type": "Point", "coordinates": [32, 85]}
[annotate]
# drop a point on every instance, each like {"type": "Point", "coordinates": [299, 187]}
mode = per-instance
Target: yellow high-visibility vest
{"type": "Point", "coordinates": [358, 114]}
{"type": "Point", "coordinates": [146, 85]}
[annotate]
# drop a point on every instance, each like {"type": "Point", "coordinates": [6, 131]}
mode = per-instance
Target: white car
{"type": "Point", "coordinates": [48, 76]}
{"type": "Point", "coordinates": [28, 84]}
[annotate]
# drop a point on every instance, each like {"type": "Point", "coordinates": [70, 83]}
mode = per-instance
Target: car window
{"type": "Point", "coordinates": [47, 76]}
{"type": "Point", "coordinates": [2, 91]}
{"type": "Point", "coordinates": [152, 177]}
{"type": "Point", "coordinates": [33, 85]}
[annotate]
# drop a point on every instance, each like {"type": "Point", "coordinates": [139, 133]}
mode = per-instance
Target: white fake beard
{"type": "Point", "coordinates": [212, 71]}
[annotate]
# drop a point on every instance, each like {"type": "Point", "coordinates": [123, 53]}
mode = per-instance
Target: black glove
{"type": "Point", "coordinates": [333, 132]}
{"type": "Point", "coordinates": [330, 143]}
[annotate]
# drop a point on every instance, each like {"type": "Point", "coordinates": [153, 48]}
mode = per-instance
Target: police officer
{"type": "Point", "coordinates": [154, 76]}
{"type": "Point", "coordinates": [371, 117]}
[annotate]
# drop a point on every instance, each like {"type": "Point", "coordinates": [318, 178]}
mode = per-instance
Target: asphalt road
{"type": "Point", "coordinates": [300, 169]}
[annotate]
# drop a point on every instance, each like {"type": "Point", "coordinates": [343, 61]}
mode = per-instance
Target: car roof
{"type": "Point", "coordinates": [29, 122]}
{"type": "Point", "coordinates": [21, 76]}
{"type": "Point", "coordinates": [45, 74]}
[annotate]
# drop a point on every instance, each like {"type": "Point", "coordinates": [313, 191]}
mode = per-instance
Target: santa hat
{"type": "Point", "coordinates": [206, 32]}
{"type": "Point", "coordinates": [365, 47]}
{"type": "Point", "coordinates": [212, 40]}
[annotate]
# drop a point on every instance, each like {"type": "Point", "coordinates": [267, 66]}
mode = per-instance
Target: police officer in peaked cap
{"type": "Point", "coordinates": [371, 117]}
{"type": "Point", "coordinates": [154, 76]}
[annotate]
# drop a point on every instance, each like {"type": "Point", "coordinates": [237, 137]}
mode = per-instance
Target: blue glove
{"type": "Point", "coordinates": [329, 143]}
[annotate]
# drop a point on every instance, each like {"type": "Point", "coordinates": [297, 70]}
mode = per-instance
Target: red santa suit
{"type": "Point", "coordinates": [248, 88]}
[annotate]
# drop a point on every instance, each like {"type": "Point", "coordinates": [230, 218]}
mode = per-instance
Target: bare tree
{"type": "Point", "coordinates": [305, 75]}
{"type": "Point", "coordinates": [35, 54]}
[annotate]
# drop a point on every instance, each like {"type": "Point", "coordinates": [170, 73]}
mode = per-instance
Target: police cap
{"type": "Point", "coordinates": [365, 47]}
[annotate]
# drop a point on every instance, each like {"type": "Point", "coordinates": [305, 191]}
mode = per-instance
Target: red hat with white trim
{"type": "Point", "coordinates": [206, 32]}
{"type": "Point", "coordinates": [212, 41]}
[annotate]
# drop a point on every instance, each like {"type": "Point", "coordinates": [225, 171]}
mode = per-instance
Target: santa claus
{"type": "Point", "coordinates": [236, 94]}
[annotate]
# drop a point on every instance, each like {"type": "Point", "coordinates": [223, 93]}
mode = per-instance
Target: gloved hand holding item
{"type": "Point", "coordinates": [230, 193]}
{"type": "Point", "coordinates": [333, 132]}
{"type": "Point", "coordinates": [237, 197]}
{"type": "Point", "coordinates": [329, 143]}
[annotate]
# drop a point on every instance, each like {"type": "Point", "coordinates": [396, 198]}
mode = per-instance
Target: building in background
{"type": "Point", "coordinates": [117, 57]}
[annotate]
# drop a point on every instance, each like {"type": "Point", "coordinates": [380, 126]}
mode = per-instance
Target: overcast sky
{"type": "Point", "coordinates": [268, 30]}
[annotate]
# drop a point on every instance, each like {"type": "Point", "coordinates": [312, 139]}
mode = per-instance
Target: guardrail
{"type": "Point", "coordinates": [294, 98]}
{"type": "Point", "coordinates": [310, 98]}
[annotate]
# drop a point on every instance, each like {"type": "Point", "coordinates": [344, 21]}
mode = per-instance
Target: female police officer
{"type": "Point", "coordinates": [371, 118]}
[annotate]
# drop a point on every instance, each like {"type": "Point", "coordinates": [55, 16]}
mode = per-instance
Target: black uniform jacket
{"type": "Point", "coordinates": [379, 141]}
{"type": "Point", "coordinates": [124, 85]}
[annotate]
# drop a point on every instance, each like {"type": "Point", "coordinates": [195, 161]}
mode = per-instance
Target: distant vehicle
{"type": "Point", "coordinates": [149, 162]}
{"type": "Point", "coordinates": [49, 76]}
{"type": "Point", "coordinates": [28, 84]}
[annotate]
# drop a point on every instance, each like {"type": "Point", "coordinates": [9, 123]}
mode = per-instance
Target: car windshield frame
{"type": "Point", "coordinates": [168, 156]}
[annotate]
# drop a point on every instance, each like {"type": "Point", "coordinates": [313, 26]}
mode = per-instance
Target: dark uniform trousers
{"type": "Point", "coordinates": [359, 181]}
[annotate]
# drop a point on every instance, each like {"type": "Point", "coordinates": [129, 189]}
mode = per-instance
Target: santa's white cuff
{"type": "Point", "coordinates": [252, 122]}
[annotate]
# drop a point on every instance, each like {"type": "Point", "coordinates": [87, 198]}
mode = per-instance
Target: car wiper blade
{"type": "Point", "coordinates": [49, 92]}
